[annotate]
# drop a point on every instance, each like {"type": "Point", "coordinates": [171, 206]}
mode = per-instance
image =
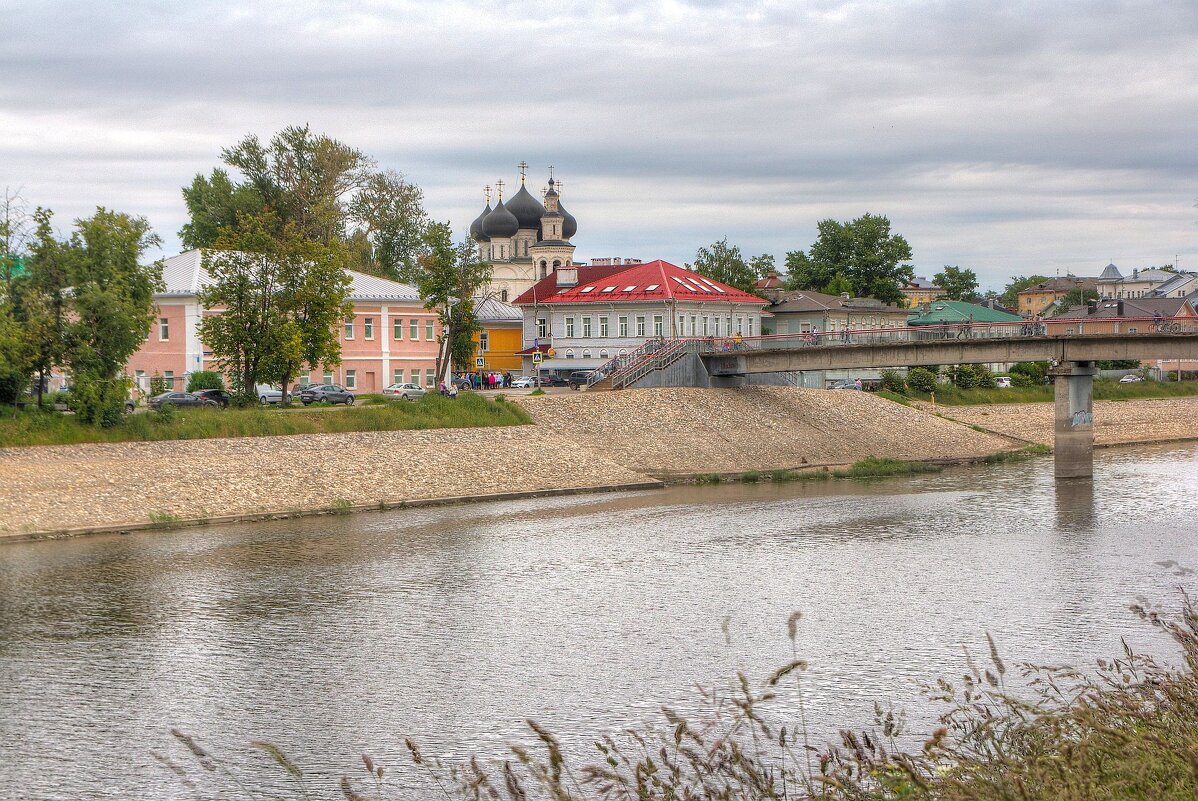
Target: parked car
{"type": "Point", "coordinates": [1003, 382]}
{"type": "Point", "coordinates": [268, 394]}
{"type": "Point", "coordinates": [296, 389]}
{"type": "Point", "coordinates": [579, 378]}
{"type": "Point", "coordinates": [1130, 379]}
{"type": "Point", "coordinates": [130, 405]}
{"type": "Point", "coordinates": [842, 385]}
{"type": "Point", "coordinates": [404, 391]}
{"type": "Point", "coordinates": [180, 399]}
{"type": "Point", "coordinates": [221, 397]}
{"type": "Point", "coordinates": [525, 382]}
{"type": "Point", "coordinates": [330, 393]}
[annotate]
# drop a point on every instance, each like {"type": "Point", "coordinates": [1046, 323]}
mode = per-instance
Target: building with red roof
{"type": "Point", "coordinates": [580, 316]}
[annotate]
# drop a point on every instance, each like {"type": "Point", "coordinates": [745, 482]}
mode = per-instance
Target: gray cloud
{"type": "Point", "coordinates": [1010, 138]}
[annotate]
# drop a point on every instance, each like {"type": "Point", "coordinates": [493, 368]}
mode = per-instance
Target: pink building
{"type": "Point", "coordinates": [392, 338]}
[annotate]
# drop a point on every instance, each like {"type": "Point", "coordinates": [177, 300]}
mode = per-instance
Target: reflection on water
{"type": "Point", "coordinates": [334, 635]}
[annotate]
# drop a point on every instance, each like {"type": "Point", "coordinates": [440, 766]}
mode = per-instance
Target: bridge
{"type": "Point", "coordinates": [1074, 351]}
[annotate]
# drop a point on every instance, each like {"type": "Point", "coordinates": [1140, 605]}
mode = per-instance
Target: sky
{"type": "Point", "coordinates": [1008, 138]}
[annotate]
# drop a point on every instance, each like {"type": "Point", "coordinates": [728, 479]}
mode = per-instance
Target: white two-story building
{"type": "Point", "coordinates": [578, 316]}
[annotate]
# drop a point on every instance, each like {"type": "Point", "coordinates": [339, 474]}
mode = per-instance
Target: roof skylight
{"type": "Point", "coordinates": [609, 289]}
{"type": "Point", "coordinates": [630, 288]}
{"type": "Point", "coordinates": [651, 287]}
{"type": "Point", "coordinates": [587, 289]}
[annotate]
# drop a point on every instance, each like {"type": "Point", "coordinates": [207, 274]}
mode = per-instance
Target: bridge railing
{"type": "Point", "coordinates": [1052, 327]}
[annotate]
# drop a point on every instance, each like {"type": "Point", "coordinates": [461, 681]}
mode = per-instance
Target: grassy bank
{"type": "Point", "coordinates": [1128, 729]}
{"type": "Point", "coordinates": [1103, 390]}
{"type": "Point", "coordinates": [33, 427]}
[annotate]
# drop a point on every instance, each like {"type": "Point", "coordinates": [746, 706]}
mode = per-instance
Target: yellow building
{"type": "Point", "coordinates": [1038, 299]}
{"type": "Point", "coordinates": [502, 336]}
{"type": "Point", "coordinates": [920, 291]}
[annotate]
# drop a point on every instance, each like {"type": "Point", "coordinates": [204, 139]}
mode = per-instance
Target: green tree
{"type": "Point", "coordinates": [283, 296]}
{"type": "Point", "coordinates": [449, 277]}
{"type": "Point", "coordinates": [957, 283]}
{"type": "Point", "coordinates": [1076, 297]}
{"type": "Point", "coordinates": [921, 379]}
{"type": "Point", "coordinates": [1010, 293]}
{"type": "Point", "coordinates": [326, 190]}
{"type": "Point", "coordinates": [839, 285]}
{"type": "Point", "coordinates": [864, 251]}
{"type": "Point", "coordinates": [763, 265]}
{"type": "Point", "coordinates": [204, 379]}
{"type": "Point", "coordinates": [723, 262]}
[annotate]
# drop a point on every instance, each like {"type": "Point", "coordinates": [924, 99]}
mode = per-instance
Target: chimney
{"type": "Point", "coordinates": [566, 276]}
{"type": "Point", "coordinates": [1119, 309]}
{"type": "Point", "coordinates": [1092, 306]}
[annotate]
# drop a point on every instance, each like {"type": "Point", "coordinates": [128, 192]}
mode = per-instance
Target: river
{"type": "Point", "coordinates": [336, 635]}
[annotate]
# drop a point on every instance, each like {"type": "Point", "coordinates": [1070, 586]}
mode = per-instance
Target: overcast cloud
{"type": "Point", "coordinates": [1008, 138]}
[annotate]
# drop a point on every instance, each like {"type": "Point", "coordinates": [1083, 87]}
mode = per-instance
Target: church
{"type": "Point", "coordinates": [524, 239]}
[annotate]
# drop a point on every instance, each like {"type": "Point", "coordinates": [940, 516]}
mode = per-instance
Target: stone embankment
{"type": "Point", "coordinates": [1115, 422]}
{"type": "Point", "coordinates": [580, 441]}
{"type": "Point", "coordinates": [674, 431]}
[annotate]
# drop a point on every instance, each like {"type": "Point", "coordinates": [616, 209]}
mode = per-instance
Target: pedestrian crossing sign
{"type": "Point", "coordinates": [537, 357]}
{"type": "Point", "coordinates": [478, 362]}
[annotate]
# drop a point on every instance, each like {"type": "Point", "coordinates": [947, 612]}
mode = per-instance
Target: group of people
{"type": "Point", "coordinates": [488, 380]}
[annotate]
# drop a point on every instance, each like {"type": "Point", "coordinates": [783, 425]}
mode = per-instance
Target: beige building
{"type": "Point", "coordinates": [524, 239]}
{"type": "Point", "coordinates": [801, 312]}
{"type": "Point", "coordinates": [1137, 285]}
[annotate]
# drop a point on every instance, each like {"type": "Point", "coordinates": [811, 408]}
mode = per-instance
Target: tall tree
{"type": "Point", "coordinates": [723, 262]}
{"type": "Point", "coordinates": [864, 251]}
{"type": "Point", "coordinates": [449, 277]}
{"type": "Point", "coordinates": [762, 265]}
{"type": "Point", "coordinates": [283, 295]}
{"type": "Point", "coordinates": [1010, 293]}
{"type": "Point", "coordinates": [957, 283]}
{"type": "Point", "coordinates": [328, 191]}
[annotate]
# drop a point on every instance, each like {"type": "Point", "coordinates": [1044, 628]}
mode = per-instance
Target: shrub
{"type": "Point", "coordinates": [99, 401]}
{"type": "Point", "coordinates": [1022, 380]}
{"type": "Point", "coordinates": [893, 380]}
{"type": "Point", "coordinates": [159, 384]}
{"type": "Point", "coordinates": [921, 380]}
{"type": "Point", "coordinates": [204, 379]}
{"type": "Point", "coordinates": [1033, 370]}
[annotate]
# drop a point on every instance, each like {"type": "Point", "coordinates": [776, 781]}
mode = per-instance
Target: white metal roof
{"type": "Point", "coordinates": [185, 275]}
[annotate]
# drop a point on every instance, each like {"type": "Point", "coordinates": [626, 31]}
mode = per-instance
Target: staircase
{"type": "Point", "coordinates": [658, 354]}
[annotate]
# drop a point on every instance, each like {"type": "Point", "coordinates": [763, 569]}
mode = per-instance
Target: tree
{"type": "Point", "coordinates": [204, 379]}
{"type": "Point", "coordinates": [283, 296]}
{"type": "Point", "coordinates": [1077, 297]}
{"type": "Point", "coordinates": [864, 251]}
{"type": "Point", "coordinates": [449, 277]}
{"type": "Point", "coordinates": [762, 265]}
{"type": "Point", "coordinates": [1010, 293]}
{"type": "Point", "coordinates": [328, 191]}
{"type": "Point", "coordinates": [839, 285]}
{"type": "Point", "coordinates": [957, 283]}
{"type": "Point", "coordinates": [722, 262]}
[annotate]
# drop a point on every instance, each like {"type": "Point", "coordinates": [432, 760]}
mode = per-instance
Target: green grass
{"type": "Point", "coordinates": [1104, 389]}
{"type": "Point", "coordinates": [707, 478]}
{"type": "Point", "coordinates": [751, 477]}
{"type": "Point", "coordinates": [33, 427]}
{"type": "Point", "coordinates": [881, 468]}
{"type": "Point", "coordinates": [894, 396]}
{"type": "Point", "coordinates": [1020, 455]}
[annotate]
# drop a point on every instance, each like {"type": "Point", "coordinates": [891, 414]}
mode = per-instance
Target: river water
{"type": "Point", "coordinates": [337, 635]}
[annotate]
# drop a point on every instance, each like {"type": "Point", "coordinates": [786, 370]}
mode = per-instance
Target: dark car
{"type": "Point", "coordinates": [180, 399]}
{"type": "Point", "coordinates": [221, 397]}
{"type": "Point", "coordinates": [296, 389]}
{"type": "Point", "coordinates": [579, 378]}
{"type": "Point", "coordinates": [552, 380]}
{"type": "Point", "coordinates": [330, 393]}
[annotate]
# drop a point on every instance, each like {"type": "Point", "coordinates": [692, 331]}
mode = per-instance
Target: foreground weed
{"type": "Point", "coordinates": [880, 468]}
{"type": "Point", "coordinates": [1129, 730]}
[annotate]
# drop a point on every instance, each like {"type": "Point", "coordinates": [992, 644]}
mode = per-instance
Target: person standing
{"type": "Point", "coordinates": [857, 384]}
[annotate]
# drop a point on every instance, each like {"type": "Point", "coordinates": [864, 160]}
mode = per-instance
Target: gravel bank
{"type": "Point", "coordinates": [1115, 422]}
{"type": "Point", "coordinates": [682, 430]}
{"type": "Point", "coordinates": [76, 486]}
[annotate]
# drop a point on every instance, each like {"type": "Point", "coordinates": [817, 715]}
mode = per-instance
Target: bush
{"type": "Point", "coordinates": [204, 379]}
{"type": "Point", "coordinates": [1033, 370]}
{"type": "Point", "coordinates": [1022, 380]}
{"type": "Point", "coordinates": [100, 401]}
{"type": "Point", "coordinates": [921, 380]}
{"type": "Point", "coordinates": [159, 384]}
{"type": "Point", "coordinates": [893, 380]}
{"type": "Point", "coordinates": [972, 376]}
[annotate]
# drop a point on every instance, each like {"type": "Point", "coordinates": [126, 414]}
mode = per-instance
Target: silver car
{"type": "Point", "coordinates": [404, 391]}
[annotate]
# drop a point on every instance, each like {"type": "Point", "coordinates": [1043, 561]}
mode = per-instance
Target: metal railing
{"type": "Point", "coordinates": [614, 367]}
{"type": "Point", "coordinates": [1026, 329]}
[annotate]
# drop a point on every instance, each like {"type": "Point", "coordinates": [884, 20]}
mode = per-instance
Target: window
{"type": "Point", "coordinates": [704, 325]}
{"type": "Point", "coordinates": [557, 263]}
{"type": "Point", "coordinates": [351, 379]}
{"type": "Point", "coordinates": [717, 326]}
{"type": "Point", "coordinates": [740, 324]}
{"type": "Point", "coordinates": [327, 378]}
{"type": "Point", "coordinates": [658, 325]}
{"type": "Point", "coordinates": [397, 376]}
{"type": "Point", "coordinates": [544, 268]}
{"type": "Point", "coordinates": [349, 329]}
{"type": "Point", "coordinates": [750, 326]}
{"type": "Point", "coordinates": [603, 326]}
{"type": "Point", "coordinates": [428, 330]}
{"type": "Point", "coordinates": [368, 328]}
{"type": "Point", "coordinates": [430, 378]}
{"type": "Point", "coordinates": [681, 329]}
{"type": "Point", "coordinates": [164, 329]}
{"type": "Point", "coordinates": [586, 326]}
{"type": "Point", "coordinates": [484, 341]}
{"type": "Point", "coordinates": [609, 289]}
{"type": "Point", "coordinates": [640, 326]}
{"type": "Point", "coordinates": [569, 326]}
{"type": "Point", "coordinates": [694, 326]}
{"type": "Point", "coordinates": [503, 295]}
{"type": "Point", "coordinates": [623, 326]}
{"type": "Point", "coordinates": [416, 376]}
{"type": "Point", "coordinates": [169, 376]}
{"type": "Point", "coordinates": [399, 328]}
{"type": "Point", "coordinates": [542, 328]}
{"type": "Point", "coordinates": [414, 330]}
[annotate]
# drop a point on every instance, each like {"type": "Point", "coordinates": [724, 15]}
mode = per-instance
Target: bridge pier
{"type": "Point", "coordinates": [1073, 445]}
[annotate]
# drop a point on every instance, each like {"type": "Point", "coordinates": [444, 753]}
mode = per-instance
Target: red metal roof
{"type": "Point", "coordinates": [654, 280]}
{"type": "Point", "coordinates": [531, 350]}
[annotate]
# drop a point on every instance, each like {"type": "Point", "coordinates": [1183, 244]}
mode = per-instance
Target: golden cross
{"type": "Point", "coordinates": [499, 186]}
{"type": "Point", "coordinates": [487, 192]}
{"type": "Point", "coordinates": [523, 165]}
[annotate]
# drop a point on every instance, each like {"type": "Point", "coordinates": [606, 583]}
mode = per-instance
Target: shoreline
{"type": "Point", "coordinates": [635, 440]}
